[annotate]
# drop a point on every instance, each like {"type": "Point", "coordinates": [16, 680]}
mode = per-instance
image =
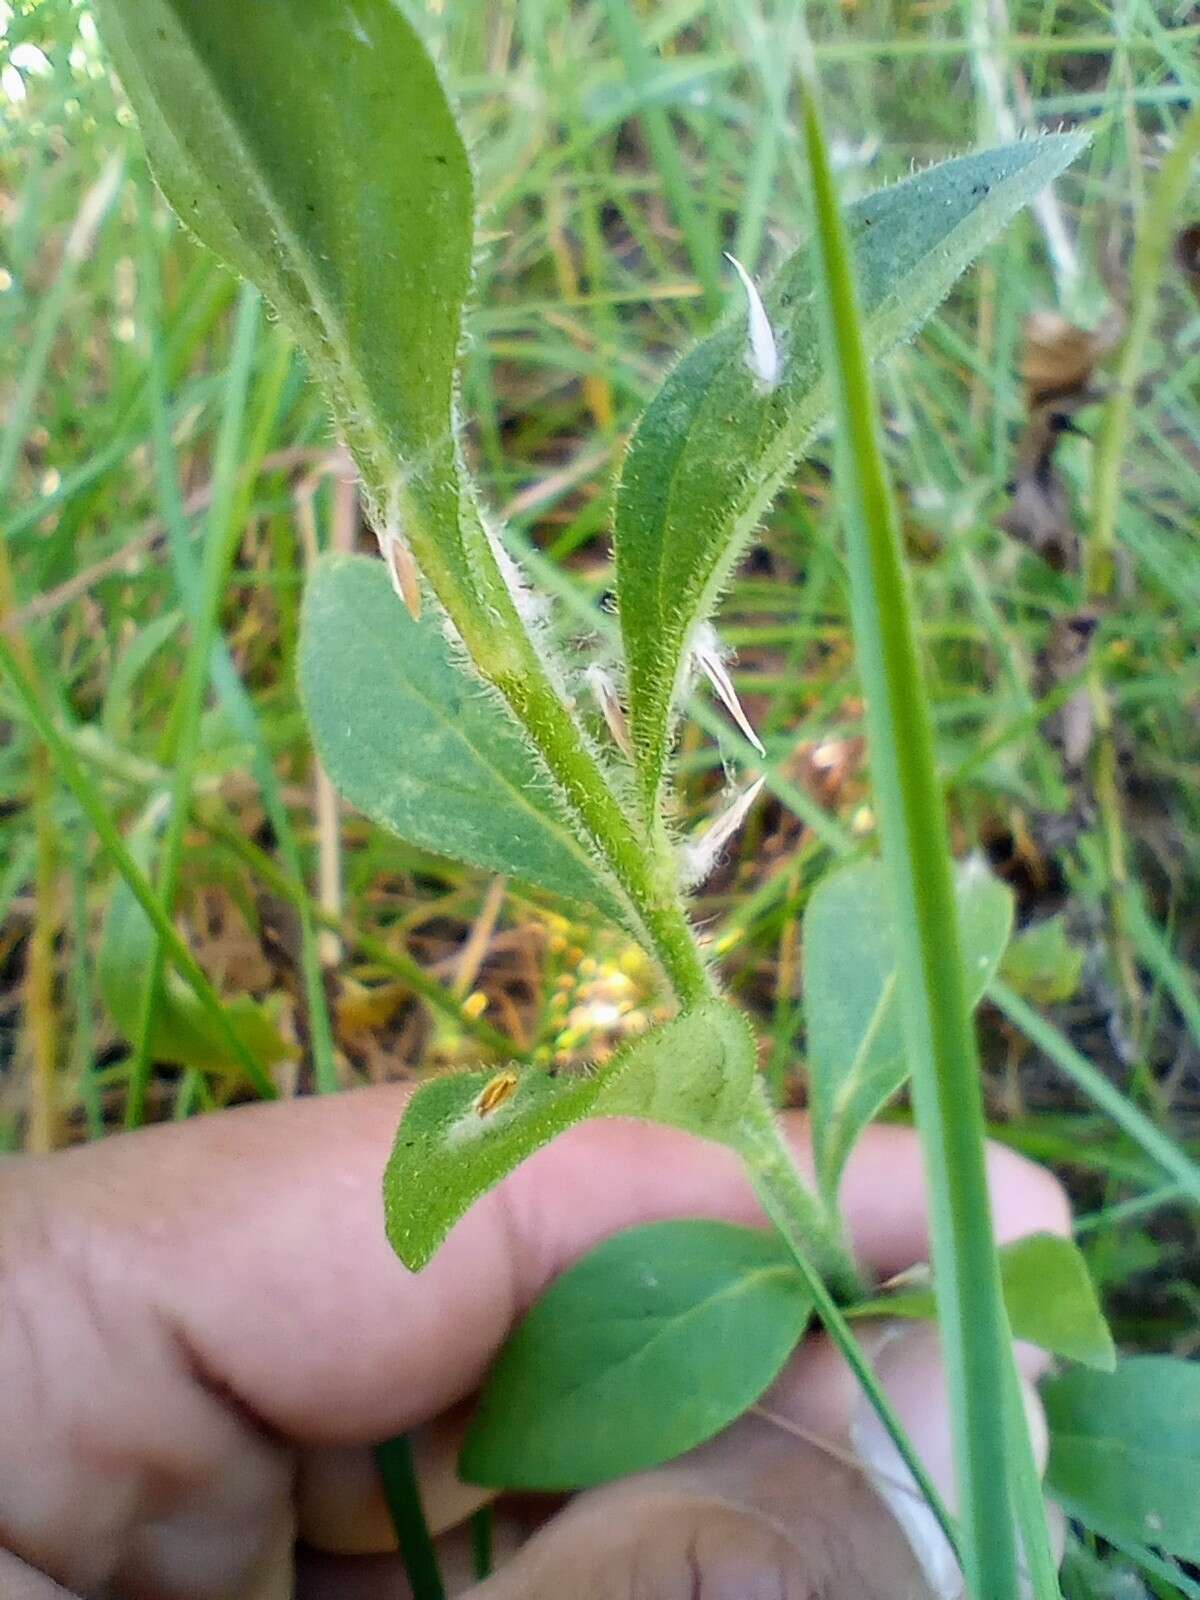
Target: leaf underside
{"type": "Point", "coordinates": [856, 1054]}
{"type": "Point", "coordinates": [313, 148]}
{"type": "Point", "coordinates": [712, 448]}
{"type": "Point", "coordinates": [417, 744]}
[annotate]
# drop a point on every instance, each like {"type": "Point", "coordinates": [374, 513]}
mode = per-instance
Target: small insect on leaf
{"type": "Point", "coordinates": [496, 1092]}
{"type": "Point", "coordinates": [403, 571]}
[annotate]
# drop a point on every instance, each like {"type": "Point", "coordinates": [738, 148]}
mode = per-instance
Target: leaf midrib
{"type": "Point", "coordinates": [743, 1286]}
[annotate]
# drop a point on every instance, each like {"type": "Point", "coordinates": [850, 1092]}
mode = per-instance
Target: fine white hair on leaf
{"type": "Point", "coordinates": [707, 655]}
{"type": "Point", "coordinates": [605, 690]}
{"type": "Point", "coordinates": [699, 856]}
{"type": "Point", "coordinates": [403, 571]}
{"type": "Point", "coordinates": [762, 354]}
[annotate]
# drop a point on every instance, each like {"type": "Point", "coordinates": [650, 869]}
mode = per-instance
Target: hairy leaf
{"type": "Point", "coordinates": [462, 1134]}
{"type": "Point", "coordinates": [1125, 1451]}
{"type": "Point", "coordinates": [1048, 1295]}
{"type": "Point", "coordinates": [647, 1347]}
{"type": "Point", "coordinates": [421, 747]}
{"type": "Point", "coordinates": [714, 445]}
{"type": "Point", "coordinates": [311, 145]}
{"type": "Point", "coordinates": [856, 1056]}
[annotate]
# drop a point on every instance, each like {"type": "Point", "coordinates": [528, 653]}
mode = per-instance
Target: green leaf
{"type": "Point", "coordinates": [856, 1055]}
{"type": "Point", "coordinates": [183, 1032]}
{"type": "Point", "coordinates": [713, 448]}
{"type": "Point", "coordinates": [418, 744]}
{"type": "Point", "coordinates": [1125, 1451]}
{"type": "Point", "coordinates": [1042, 964]}
{"type": "Point", "coordinates": [1051, 1301]}
{"type": "Point", "coordinates": [650, 1345]}
{"type": "Point", "coordinates": [312, 146]}
{"type": "Point", "coordinates": [1048, 1295]}
{"type": "Point", "coordinates": [462, 1134]}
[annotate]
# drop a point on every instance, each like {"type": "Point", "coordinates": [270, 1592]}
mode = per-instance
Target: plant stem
{"type": "Point", "coordinates": [937, 1020]}
{"type": "Point", "coordinates": [40, 1014]}
{"type": "Point", "coordinates": [501, 646]}
{"type": "Point", "coordinates": [402, 1492]}
{"type": "Point", "coordinates": [45, 1117]}
{"type": "Point", "coordinates": [790, 1206]}
{"type": "Point", "coordinates": [796, 1211]}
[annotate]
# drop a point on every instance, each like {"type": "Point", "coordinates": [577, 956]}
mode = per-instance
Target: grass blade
{"type": "Point", "coordinates": [224, 674]}
{"type": "Point", "coordinates": [92, 802]}
{"type": "Point", "coordinates": [916, 849]}
{"type": "Point", "coordinates": [403, 1495]}
{"type": "Point", "coordinates": [1173, 1161]}
{"type": "Point", "coordinates": [223, 537]}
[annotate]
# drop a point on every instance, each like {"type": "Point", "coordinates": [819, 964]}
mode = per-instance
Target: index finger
{"type": "Point", "coordinates": [256, 1237]}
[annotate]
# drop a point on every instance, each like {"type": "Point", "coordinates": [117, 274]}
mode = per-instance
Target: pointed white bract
{"type": "Point", "coordinates": [762, 353]}
{"type": "Point", "coordinates": [605, 690]}
{"type": "Point", "coordinates": [706, 653]}
{"type": "Point", "coordinates": [699, 856]}
{"type": "Point", "coordinates": [402, 570]}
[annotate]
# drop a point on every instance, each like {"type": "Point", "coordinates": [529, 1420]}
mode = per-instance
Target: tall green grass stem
{"type": "Point", "coordinates": [403, 1495]}
{"type": "Point", "coordinates": [937, 1020]}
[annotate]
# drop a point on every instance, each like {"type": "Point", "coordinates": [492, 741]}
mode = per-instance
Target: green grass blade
{"type": "Point", "coordinates": [224, 674]}
{"type": "Point", "coordinates": [403, 1495]}
{"type": "Point", "coordinates": [93, 209]}
{"type": "Point", "coordinates": [1098, 1089]}
{"type": "Point", "coordinates": [224, 534]}
{"type": "Point", "coordinates": [701, 243]}
{"type": "Point", "coordinates": [1154, 238]}
{"type": "Point", "coordinates": [916, 849]}
{"type": "Point", "coordinates": [93, 804]}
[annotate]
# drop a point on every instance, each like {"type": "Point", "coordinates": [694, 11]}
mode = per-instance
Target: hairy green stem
{"type": "Point", "coordinates": [798, 1213]}
{"type": "Point", "coordinates": [791, 1209]}
{"type": "Point", "coordinates": [437, 518]}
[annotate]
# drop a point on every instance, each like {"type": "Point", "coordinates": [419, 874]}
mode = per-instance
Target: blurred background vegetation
{"type": "Point", "coordinates": [149, 406]}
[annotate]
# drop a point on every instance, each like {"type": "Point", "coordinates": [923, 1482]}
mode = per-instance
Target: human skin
{"type": "Point", "coordinates": [202, 1329]}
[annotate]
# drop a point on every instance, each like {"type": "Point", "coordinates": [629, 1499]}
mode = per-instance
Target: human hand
{"type": "Point", "coordinates": [202, 1329]}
